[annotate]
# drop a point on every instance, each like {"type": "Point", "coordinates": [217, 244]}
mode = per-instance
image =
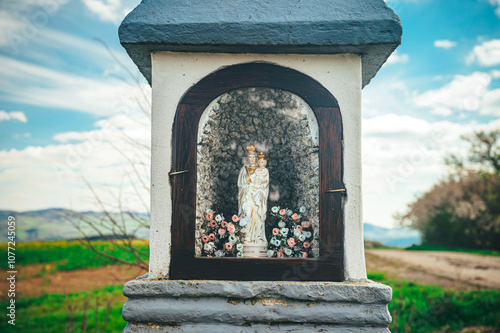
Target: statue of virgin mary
{"type": "Point", "coordinates": [253, 184]}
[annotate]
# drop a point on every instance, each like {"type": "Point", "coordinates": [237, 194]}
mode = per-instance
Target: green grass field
{"type": "Point", "coordinates": [427, 247]}
{"type": "Point", "coordinates": [52, 313]}
{"type": "Point", "coordinates": [70, 255]}
{"type": "Point", "coordinates": [415, 308]}
{"type": "Point", "coordinates": [423, 308]}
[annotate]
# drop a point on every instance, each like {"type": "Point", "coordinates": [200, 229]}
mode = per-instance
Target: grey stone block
{"type": "Point", "coordinates": [204, 328]}
{"type": "Point", "coordinates": [240, 306]}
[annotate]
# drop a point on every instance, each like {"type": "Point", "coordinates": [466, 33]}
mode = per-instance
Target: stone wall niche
{"type": "Point", "coordinates": [278, 123]}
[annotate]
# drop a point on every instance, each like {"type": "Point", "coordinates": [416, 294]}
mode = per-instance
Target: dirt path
{"type": "Point", "coordinates": [30, 284]}
{"type": "Point", "coordinates": [449, 269]}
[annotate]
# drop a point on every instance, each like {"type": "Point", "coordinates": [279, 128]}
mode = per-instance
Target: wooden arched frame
{"type": "Point", "coordinates": [184, 265]}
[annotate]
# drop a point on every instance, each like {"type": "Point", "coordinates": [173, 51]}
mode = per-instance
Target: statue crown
{"type": "Point", "coordinates": [251, 149]}
{"type": "Point", "coordinates": [261, 156]}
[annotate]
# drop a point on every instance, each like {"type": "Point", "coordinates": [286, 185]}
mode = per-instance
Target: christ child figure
{"type": "Point", "coordinates": [262, 174]}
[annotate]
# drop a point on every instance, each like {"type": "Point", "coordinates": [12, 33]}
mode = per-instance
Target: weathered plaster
{"type": "Point", "coordinates": [174, 73]}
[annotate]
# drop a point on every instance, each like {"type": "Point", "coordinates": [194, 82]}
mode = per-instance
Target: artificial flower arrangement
{"type": "Point", "coordinates": [221, 238]}
{"type": "Point", "coordinates": [291, 236]}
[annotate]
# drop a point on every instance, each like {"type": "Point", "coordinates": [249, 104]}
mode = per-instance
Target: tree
{"type": "Point", "coordinates": [483, 153]}
{"type": "Point", "coordinates": [464, 209]}
{"type": "Point", "coordinates": [116, 223]}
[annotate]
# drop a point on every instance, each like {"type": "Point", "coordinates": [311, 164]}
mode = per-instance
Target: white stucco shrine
{"type": "Point", "coordinates": [287, 77]}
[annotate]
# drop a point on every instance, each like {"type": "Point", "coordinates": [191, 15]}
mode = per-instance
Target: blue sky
{"type": "Point", "coordinates": [66, 104]}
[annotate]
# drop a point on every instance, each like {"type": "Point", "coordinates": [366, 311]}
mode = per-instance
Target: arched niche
{"type": "Point", "coordinates": [245, 80]}
{"type": "Point", "coordinates": [281, 125]}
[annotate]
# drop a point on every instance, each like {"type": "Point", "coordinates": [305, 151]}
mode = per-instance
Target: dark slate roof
{"type": "Point", "coordinates": [365, 27]}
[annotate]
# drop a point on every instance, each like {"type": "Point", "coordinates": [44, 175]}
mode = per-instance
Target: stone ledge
{"type": "Point", "coordinates": [191, 306]}
{"type": "Point", "coordinates": [204, 328]}
{"type": "Point", "coordinates": [367, 292]}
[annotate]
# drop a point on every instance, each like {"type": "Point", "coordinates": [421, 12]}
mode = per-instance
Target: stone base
{"type": "Point", "coordinates": [251, 250]}
{"type": "Point", "coordinates": [257, 306]}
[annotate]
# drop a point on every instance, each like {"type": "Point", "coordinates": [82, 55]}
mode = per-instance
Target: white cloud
{"type": "Point", "coordinates": [36, 85]}
{"type": "Point", "coordinates": [486, 54]}
{"type": "Point", "coordinates": [403, 153]}
{"type": "Point", "coordinates": [463, 93]}
{"type": "Point", "coordinates": [444, 43]}
{"type": "Point", "coordinates": [13, 115]}
{"type": "Point", "coordinates": [491, 103]}
{"type": "Point", "coordinates": [53, 174]}
{"type": "Point", "coordinates": [395, 58]}
{"type": "Point", "coordinates": [108, 10]}
{"type": "Point", "coordinates": [442, 111]}
{"type": "Point", "coordinates": [496, 3]}
{"type": "Point", "coordinates": [403, 156]}
{"type": "Point", "coordinates": [21, 21]}
{"type": "Point", "coordinates": [495, 74]}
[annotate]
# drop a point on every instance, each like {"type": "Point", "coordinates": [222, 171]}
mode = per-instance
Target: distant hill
{"type": "Point", "coordinates": [51, 224]}
{"type": "Point", "coordinates": [401, 237]}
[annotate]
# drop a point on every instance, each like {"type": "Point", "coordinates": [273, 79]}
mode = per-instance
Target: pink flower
{"type": "Point", "coordinates": [228, 246]}
{"type": "Point", "coordinates": [231, 228]}
{"type": "Point", "coordinates": [212, 223]}
{"type": "Point", "coordinates": [295, 216]}
{"type": "Point", "coordinates": [304, 254]}
{"type": "Point", "coordinates": [281, 255]}
{"type": "Point", "coordinates": [299, 228]}
{"type": "Point", "coordinates": [291, 242]}
{"type": "Point", "coordinates": [223, 224]}
{"type": "Point", "coordinates": [307, 245]}
{"type": "Point", "coordinates": [222, 232]}
{"type": "Point", "coordinates": [236, 218]}
{"type": "Point", "coordinates": [282, 212]}
{"type": "Point", "coordinates": [209, 216]}
{"type": "Point", "coordinates": [306, 224]}
{"type": "Point", "coordinates": [276, 232]}
{"type": "Point", "coordinates": [211, 236]}
{"type": "Point", "coordinates": [205, 238]}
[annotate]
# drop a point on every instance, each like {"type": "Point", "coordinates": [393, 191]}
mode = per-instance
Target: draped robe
{"type": "Point", "coordinates": [252, 203]}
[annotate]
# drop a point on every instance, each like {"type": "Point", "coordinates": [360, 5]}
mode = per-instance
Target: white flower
{"type": "Point", "coordinates": [275, 241]}
{"type": "Point", "coordinates": [297, 233]}
{"type": "Point", "coordinates": [297, 248]}
{"type": "Point", "coordinates": [239, 254]}
{"type": "Point", "coordinates": [209, 246]}
{"type": "Point", "coordinates": [208, 211]}
{"type": "Point", "coordinates": [244, 221]}
{"type": "Point", "coordinates": [275, 209]}
{"type": "Point", "coordinates": [219, 253]}
{"type": "Point", "coordinates": [308, 234]}
{"type": "Point", "coordinates": [270, 253]}
{"type": "Point", "coordinates": [288, 251]}
{"type": "Point", "coordinates": [239, 247]}
{"type": "Point", "coordinates": [232, 238]}
{"type": "Point", "coordinates": [289, 212]}
{"type": "Point", "coordinates": [284, 231]}
{"type": "Point", "coordinates": [302, 237]}
{"type": "Point", "coordinates": [302, 209]}
{"type": "Point", "coordinates": [281, 224]}
{"type": "Point", "coordinates": [219, 218]}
